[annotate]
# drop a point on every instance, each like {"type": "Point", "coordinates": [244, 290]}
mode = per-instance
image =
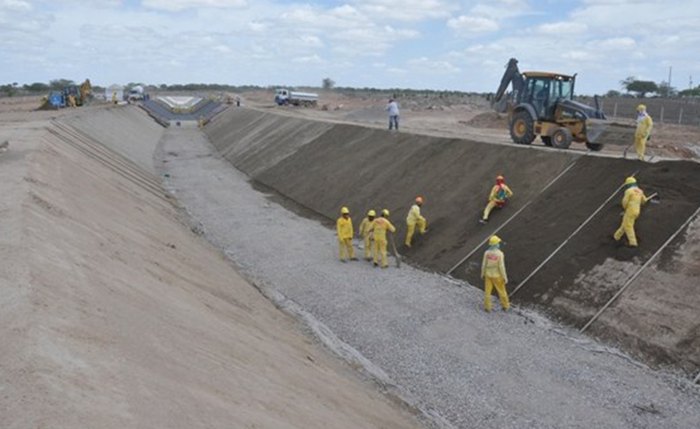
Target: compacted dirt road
{"type": "Point", "coordinates": [113, 314]}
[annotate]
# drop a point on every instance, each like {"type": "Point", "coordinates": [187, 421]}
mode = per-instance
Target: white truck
{"type": "Point", "coordinates": [285, 96]}
{"type": "Point", "coordinates": [136, 94]}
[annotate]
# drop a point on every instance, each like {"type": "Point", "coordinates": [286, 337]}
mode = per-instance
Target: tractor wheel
{"type": "Point", "coordinates": [522, 128]}
{"type": "Point", "coordinates": [561, 138]}
{"type": "Point", "coordinates": [547, 140]}
{"type": "Point", "coordinates": [595, 147]}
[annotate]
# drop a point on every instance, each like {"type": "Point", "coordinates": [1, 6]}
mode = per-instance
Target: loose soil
{"type": "Point", "coordinates": [366, 168]}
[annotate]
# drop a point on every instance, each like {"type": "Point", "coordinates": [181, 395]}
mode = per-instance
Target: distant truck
{"type": "Point", "coordinates": [135, 94]}
{"type": "Point", "coordinates": [295, 98]}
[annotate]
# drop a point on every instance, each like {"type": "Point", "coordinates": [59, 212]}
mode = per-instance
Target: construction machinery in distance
{"type": "Point", "coordinates": [69, 96]}
{"type": "Point", "coordinates": [542, 104]}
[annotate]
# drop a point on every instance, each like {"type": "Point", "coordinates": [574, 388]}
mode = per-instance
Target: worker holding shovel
{"type": "Point", "coordinates": [379, 228]}
{"type": "Point", "coordinates": [365, 226]}
{"type": "Point", "coordinates": [632, 201]}
{"type": "Point", "coordinates": [641, 135]}
{"type": "Point", "coordinates": [413, 220]}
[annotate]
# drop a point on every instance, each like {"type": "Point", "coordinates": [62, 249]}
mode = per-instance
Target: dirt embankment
{"type": "Point", "coordinates": [114, 314]}
{"type": "Point", "coordinates": [368, 168]}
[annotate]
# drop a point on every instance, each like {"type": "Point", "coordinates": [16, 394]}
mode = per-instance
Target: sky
{"type": "Point", "coordinates": [420, 44]}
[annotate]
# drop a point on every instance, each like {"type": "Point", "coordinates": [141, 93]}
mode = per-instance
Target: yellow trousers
{"type": "Point", "coordinates": [421, 224]}
{"type": "Point", "coordinates": [380, 252]}
{"type": "Point", "coordinates": [345, 249]}
{"type": "Point", "coordinates": [500, 284]}
{"type": "Point", "coordinates": [640, 144]}
{"type": "Point", "coordinates": [627, 227]}
{"type": "Point", "coordinates": [368, 247]}
{"type": "Point", "coordinates": [490, 206]}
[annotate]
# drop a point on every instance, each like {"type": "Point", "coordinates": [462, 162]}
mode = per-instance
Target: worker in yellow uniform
{"type": "Point", "coordinates": [365, 226]}
{"type": "Point", "coordinates": [414, 219]}
{"type": "Point", "coordinates": [493, 271]}
{"type": "Point", "coordinates": [345, 233]}
{"type": "Point", "coordinates": [497, 198]}
{"type": "Point", "coordinates": [641, 135]}
{"type": "Point", "coordinates": [379, 228]}
{"type": "Point", "coordinates": [632, 201]}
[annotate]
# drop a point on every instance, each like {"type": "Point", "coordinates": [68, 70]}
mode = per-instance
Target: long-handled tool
{"type": "Point", "coordinates": [393, 249]}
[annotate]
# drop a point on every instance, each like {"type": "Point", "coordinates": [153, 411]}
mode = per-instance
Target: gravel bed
{"type": "Point", "coordinates": [428, 334]}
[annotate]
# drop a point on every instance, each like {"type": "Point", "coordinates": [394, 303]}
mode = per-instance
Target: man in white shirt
{"type": "Point", "coordinates": [393, 109]}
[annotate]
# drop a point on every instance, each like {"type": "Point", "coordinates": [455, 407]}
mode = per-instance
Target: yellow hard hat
{"type": "Point", "coordinates": [419, 200]}
{"type": "Point", "coordinates": [344, 210]}
{"type": "Point", "coordinates": [372, 213]}
{"type": "Point", "coordinates": [385, 213]}
{"type": "Point", "coordinates": [494, 240]}
{"type": "Point", "coordinates": [641, 108]}
{"type": "Point", "coordinates": [630, 180]}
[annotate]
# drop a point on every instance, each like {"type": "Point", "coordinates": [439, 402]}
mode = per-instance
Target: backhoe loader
{"type": "Point", "coordinates": [542, 104]}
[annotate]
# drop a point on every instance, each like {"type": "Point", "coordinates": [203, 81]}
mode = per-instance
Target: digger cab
{"type": "Point", "coordinates": [543, 91]}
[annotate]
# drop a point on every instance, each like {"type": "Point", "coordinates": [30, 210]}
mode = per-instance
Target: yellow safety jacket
{"type": "Point", "coordinates": [633, 199]}
{"type": "Point", "coordinates": [644, 126]}
{"type": "Point", "coordinates": [493, 264]}
{"type": "Point", "coordinates": [344, 228]}
{"type": "Point", "coordinates": [379, 226]}
{"type": "Point", "coordinates": [414, 215]}
{"type": "Point", "coordinates": [365, 226]}
{"type": "Point", "coordinates": [500, 193]}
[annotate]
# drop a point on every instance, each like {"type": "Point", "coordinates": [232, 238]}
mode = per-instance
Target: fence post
{"type": "Point", "coordinates": [680, 116]}
{"type": "Point", "coordinates": [615, 111]}
{"type": "Point", "coordinates": [662, 114]}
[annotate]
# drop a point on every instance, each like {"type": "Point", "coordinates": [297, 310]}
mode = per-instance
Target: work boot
{"type": "Point", "coordinates": [376, 264]}
{"type": "Point", "coordinates": [353, 259]}
{"type": "Point", "coordinates": [483, 221]}
{"type": "Point", "coordinates": [343, 261]}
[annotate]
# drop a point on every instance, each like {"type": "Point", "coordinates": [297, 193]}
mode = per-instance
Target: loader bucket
{"type": "Point", "coordinates": [605, 132]}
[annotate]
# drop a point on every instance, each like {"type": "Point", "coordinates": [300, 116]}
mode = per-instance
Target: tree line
{"type": "Point", "coordinates": [641, 88]}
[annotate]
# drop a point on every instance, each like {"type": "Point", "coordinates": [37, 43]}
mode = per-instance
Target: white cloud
{"type": "Point", "coordinates": [177, 5]}
{"type": "Point", "coordinates": [472, 24]}
{"type": "Point", "coordinates": [560, 28]}
{"type": "Point", "coordinates": [15, 5]}
{"type": "Point", "coordinates": [311, 59]}
{"type": "Point", "coordinates": [617, 43]}
{"type": "Point", "coordinates": [424, 64]}
{"type": "Point", "coordinates": [406, 10]}
{"type": "Point", "coordinates": [222, 49]}
{"type": "Point", "coordinates": [499, 10]}
{"type": "Point", "coordinates": [311, 41]}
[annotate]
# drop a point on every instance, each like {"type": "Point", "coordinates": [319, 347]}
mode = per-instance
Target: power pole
{"type": "Point", "coordinates": [670, 69]}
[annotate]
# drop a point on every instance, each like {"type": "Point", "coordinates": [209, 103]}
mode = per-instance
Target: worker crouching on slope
{"type": "Point", "coordinates": [493, 271]}
{"type": "Point", "coordinates": [413, 220]}
{"type": "Point", "coordinates": [632, 201]}
{"type": "Point", "coordinates": [641, 135]}
{"type": "Point", "coordinates": [365, 226]}
{"type": "Point", "coordinates": [497, 198]}
{"type": "Point", "coordinates": [345, 233]}
{"type": "Point", "coordinates": [378, 229]}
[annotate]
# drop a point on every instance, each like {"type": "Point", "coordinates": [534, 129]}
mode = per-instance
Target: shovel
{"type": "Point", "coordinates": [393, 249]}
